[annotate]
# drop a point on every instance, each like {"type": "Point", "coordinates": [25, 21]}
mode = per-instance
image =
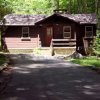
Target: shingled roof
{"type": "Point", "coordinates": [14, 20]}
{"type": "Point", "coordinates": [82, 18]}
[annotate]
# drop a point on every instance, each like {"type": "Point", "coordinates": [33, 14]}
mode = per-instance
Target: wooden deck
{"type": "Point", "coordinates": [63, 42]}
{"type": "Point", "coordinates": [63, 46]}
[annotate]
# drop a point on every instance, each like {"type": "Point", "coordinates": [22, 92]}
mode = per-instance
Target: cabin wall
{"type": "Point", "coordinates": [81, 35]}
{"type": "Point", "coordinates": [57, 23]}
{"type": "Point", "coordinates": [13, 34]}
{"type": "Point", "coordinates": [58, 30]}
{"type": "Point", "coordinates": [12, 38]}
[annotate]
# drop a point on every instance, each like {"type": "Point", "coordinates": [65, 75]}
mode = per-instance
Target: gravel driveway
{"type": "Point", "coordinates": [48, 78]}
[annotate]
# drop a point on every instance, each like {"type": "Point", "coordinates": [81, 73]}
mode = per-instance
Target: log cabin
{"type": "Point", "coordinates": [56, 30]}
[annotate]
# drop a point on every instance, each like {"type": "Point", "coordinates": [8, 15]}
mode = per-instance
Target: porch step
{"type": "Point", "coordinates": [64, 51]}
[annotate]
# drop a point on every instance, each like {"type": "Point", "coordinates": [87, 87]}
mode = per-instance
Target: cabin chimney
{"type": "Point", "coordinates": [60, 11]}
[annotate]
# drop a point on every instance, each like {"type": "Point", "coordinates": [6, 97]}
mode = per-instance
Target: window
{"type": "Point", "coordinates": [25, 32]}
{"type": "Point", "coordinates": [67, 31]}
{"type": "Point", "coordinates": [88, 31]}
{"type": "Point", "coordinates": [49, 31]}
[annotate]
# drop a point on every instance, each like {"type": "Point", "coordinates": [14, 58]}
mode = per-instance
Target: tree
{"type": "Point", "coordinates": [4, 9]}
{"type": "Point", "coordinates": [96, 6]}
{"type": "Point", "coordinates": [56, 4]}
{"type": "Point", "coordinates": [47, 6]}
{"type": "Point", "coordinates": [96, 45]}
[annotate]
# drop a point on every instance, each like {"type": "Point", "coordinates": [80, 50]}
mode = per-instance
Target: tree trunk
{"type": "Point", "coordinates": [96, 6]}
{"type": "Point", "coordinates": [70, 4]}
{"type": "Point", "coordinates": [55, 4]}
{"type": "Point", "coordinates": [79, 6]}
{"type": "Point", "coordinates": [84, 8]}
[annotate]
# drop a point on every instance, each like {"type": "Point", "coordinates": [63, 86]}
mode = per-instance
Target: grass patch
{"type": "Point", "coordinates": [88, 61]}
{"type": "Point", "coordinates": [2, 59]}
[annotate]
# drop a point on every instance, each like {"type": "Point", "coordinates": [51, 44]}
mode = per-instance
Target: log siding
{"type": "Point", "coordinates": [38, 25]}
{"type": "Point", "coordinates": [13, 38]}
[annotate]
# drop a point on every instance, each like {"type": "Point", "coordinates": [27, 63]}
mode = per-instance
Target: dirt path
{"type": "Point", "coordinates": [40, 78]}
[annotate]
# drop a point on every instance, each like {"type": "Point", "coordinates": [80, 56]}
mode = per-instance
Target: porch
{"type": "Point", "coordinates": [59, 47]}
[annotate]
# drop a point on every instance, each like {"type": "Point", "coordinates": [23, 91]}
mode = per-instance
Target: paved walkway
{"type": "Point", "coordinates": [40, 78]}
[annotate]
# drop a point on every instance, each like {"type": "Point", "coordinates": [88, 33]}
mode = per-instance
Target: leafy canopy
{"type": "Point", "coordinates": [47, 6]}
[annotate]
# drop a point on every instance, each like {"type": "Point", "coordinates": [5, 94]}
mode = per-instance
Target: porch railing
{"type": "Point", "coordinates": [63, 46]}
{"type": "Point", "coordinates": [63, 43]}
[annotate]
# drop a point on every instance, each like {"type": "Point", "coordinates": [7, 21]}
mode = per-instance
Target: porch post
{"type": "Point", "coordinates": [38, 44]}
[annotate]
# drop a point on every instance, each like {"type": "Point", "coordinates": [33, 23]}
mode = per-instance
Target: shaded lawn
{"type": "Point", "coordinates": [2, 59]}
{"type": "Point", "coordinates": [88, 61]}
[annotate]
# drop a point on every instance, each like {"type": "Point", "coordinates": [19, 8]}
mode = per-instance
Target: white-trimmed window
{"type": "Point", "coordinates": [25, 32]}
{"type": "Point", "coordinates": [88, 31]}
{"type": "Point", "coordinates": [66, 31]}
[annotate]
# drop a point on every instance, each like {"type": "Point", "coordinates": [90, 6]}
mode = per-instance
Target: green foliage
{"type": "Point", "coordinates": [89, 61]}
{"type": "Point", "coordinates": [96, 45]}
{"type": "Point", "coordinates": [30, 6]}
{"type": "Point", "coordinates": [47, 6]}
{"type": "Point", "coordinates": [2, 59]}
{"type": "Point", "coordinates": [37, 51]}
{"type": "Point", "coordinates": [5, 8]}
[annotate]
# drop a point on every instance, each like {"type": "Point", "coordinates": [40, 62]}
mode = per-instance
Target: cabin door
{"type": "Point", "coordinates": [49, 35]}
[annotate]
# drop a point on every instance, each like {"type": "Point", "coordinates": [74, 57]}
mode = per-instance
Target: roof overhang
{"type": "Point", "coordinates": [55, 15]}
{"type": "Point", "coordinates": [21, 20]}
{"type": "Point", "coordinates": [18, 25]}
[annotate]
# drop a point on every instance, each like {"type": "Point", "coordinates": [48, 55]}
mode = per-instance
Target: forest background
{"type": "Point", "coordinates": [47, 6]}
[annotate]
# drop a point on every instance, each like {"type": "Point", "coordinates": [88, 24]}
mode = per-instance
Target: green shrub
{"type": "Point", "coordinates": [96, 45]}
{"type": "Point", "coordinates": [37, 51]}
{"type": "Point", "coordinates": [88, 61]}
{"type": "Point", "coordinates": [2, 59]}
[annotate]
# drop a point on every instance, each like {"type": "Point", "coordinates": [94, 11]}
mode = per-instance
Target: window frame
{"type": "Point", "coordinates": [88, 31]}
{"type": "Point", "coordinates": [64, 27]}
{"type": "Point", "coordinates": [27, 32]}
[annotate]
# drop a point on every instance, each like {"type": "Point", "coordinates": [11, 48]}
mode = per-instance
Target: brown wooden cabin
{"type": "Point", "coordinates": [33, 31]}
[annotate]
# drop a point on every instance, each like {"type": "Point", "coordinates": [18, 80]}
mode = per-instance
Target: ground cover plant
{"type": "Point", "coordinates": [88, 61]}
{"type": "Point", "coordinates": [2, 59]}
